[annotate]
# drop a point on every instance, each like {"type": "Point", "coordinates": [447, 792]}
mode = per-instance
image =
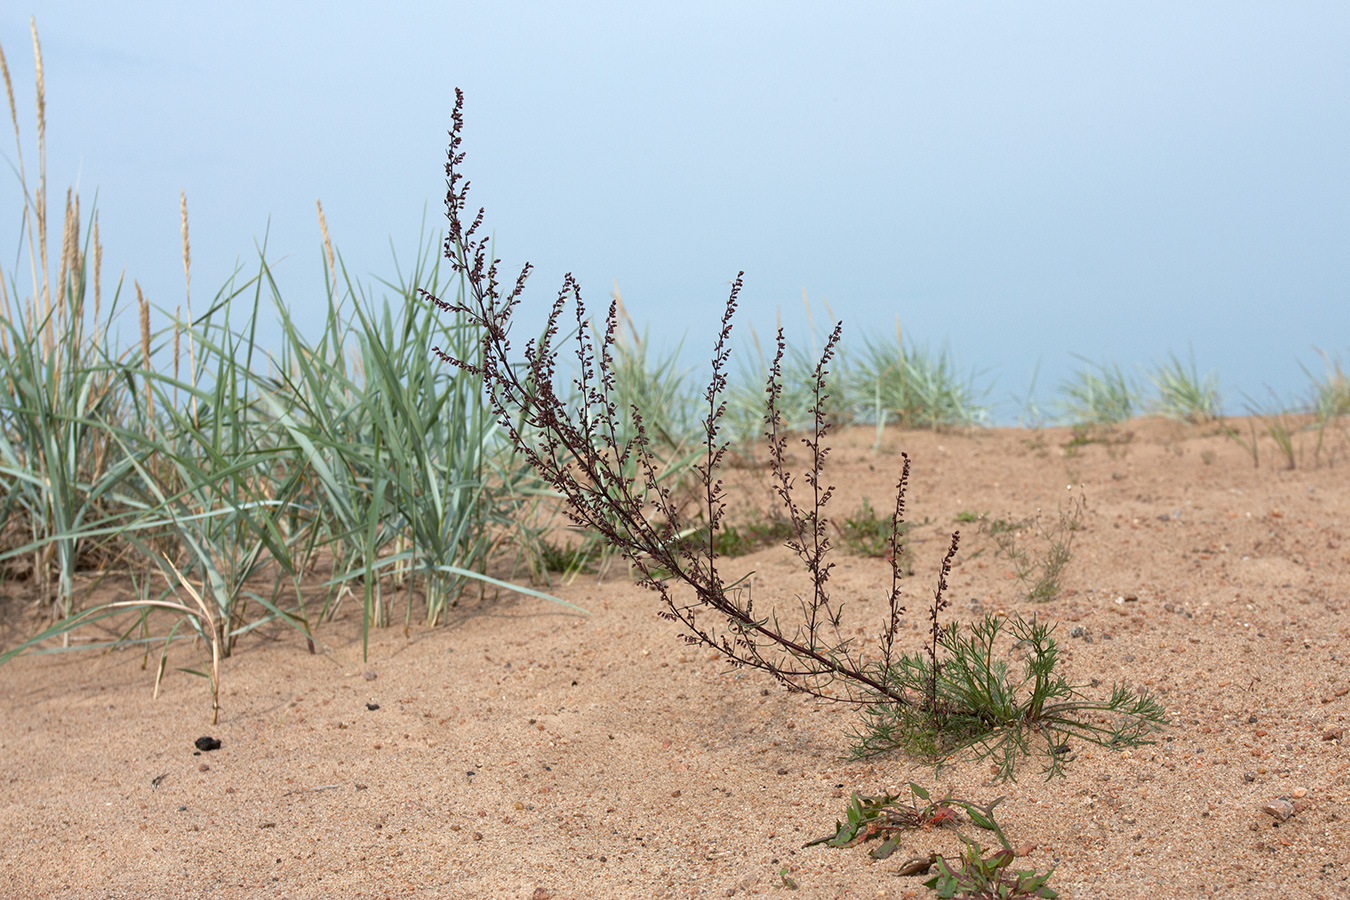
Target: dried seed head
{"type": "Point", "coordinates": [187, 247]}
{"type": "Point", "coordinates": [327, 246]}
{"type": "Point", "coordinates": [98, 264]}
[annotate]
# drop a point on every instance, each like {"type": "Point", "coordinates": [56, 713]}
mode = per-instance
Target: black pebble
{"type": "Point", "coordinates": [207, 743]}
{"type": "Point", "coordinates": [372, 706]}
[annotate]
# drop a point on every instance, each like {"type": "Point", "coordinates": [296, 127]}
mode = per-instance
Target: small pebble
{"type": "Point", "coordinates": [1299, 793]}
{"type": "Point", "coordinates": [371, 676]}
{"type": "Point", "coordinates": [207, 743]}
{"type": "Point", "coordinates": [372, 706]}
{"type": "Point", "coordinates": [203, 768]}
{"type": "Point", "coordinates": [1281, 808]}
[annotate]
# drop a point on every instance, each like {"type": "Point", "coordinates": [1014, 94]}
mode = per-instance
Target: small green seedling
{"type": "Point", "coordinates": [987, 878]}
{"type": "Point", "coordinates": [970, 875]}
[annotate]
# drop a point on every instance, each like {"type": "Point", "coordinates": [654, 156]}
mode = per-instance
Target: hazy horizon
{"type": "Point", "coordinates": [1023, 184]}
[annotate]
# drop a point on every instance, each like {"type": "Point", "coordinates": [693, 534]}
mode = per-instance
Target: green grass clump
{"type": "Point", "coordinates": [864, 533]}
{"type": "Point", "coordinates": [973, 700]}
{"type": "Point", "coordinates": [1099, 394]}
{"type": "Point", "coordinates": [911, 387]}
{"type": "Point", "coordinates": [1183, 394]}
{"type": "Point", "coordinates": [568, 559]}
{"type": "Point", "coordinates": [1330, 394]}
{"type": "Point", "coordinates": [886, 383]}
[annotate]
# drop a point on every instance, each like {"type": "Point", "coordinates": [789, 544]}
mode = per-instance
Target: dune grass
{"type": "Point", "coordinates": [221, 479]}
{"type": "Point", "coordinates": [1099, 394]}
{"type": "Point", "coordinates": [1183, 394]}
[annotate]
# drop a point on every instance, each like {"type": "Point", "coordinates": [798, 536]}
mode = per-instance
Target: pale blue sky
{"type": "Point", "coordinates": [1025, 181]}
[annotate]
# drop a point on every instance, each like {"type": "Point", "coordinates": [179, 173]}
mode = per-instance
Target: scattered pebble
{"type": "Point", "coordinates": [372, 706]}
{"type": "Point", "coordinates": [205, 744]}
{"type": "Point", "coordinates": [1333, 733]}
{"type": "Point", "coordinates": [203, 768]}
{"type": "Point", "coordinates": [371, 676]}
{"type": "Point", "coordinates": [1280, 808]}
{"type": "Point", "coordinates": [539, 894]}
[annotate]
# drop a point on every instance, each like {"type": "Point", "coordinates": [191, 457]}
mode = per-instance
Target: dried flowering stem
{"type": "Point", "coordinates": [577, 448]}
{"type": "Point", "coordinates": [599, 459]}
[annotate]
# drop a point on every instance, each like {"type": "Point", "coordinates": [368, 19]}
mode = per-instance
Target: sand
{"type": "Point", "coordinates": [524, 751]}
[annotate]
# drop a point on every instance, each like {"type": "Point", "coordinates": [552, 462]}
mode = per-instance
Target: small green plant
{"type": "Point", "coordinates": [864, 533]}
{"type": "Point", "coordinates": [1330, 393]}
{"type": "Point", "coordinates": [1329, 402]}
{"type": "Point", "coordinates": [996, 526]}
{"type": "Point", "coordinates": [1039, 572]}
{"type": "Point", "coordinates": [889, 817]}
{"type": "Point", "coordinates": [1249, 442]}
{"type": "Point", "coordinates": [966, 516]}
{"type": "Point", "coordinates": [1083, 434]}
{"type": "Point", "coordinates": [754, 533]}
{"type": "Point", "coordinates": [1099, 394]}
{"type": "Point", "coordinates": [1030, 415]}
{"type": "Point", "coordinates": [1183, 395]}
{"type": "Point", "coordinates": [569, 559]}
{"type": "Point", "coordinates": [1280, 423]}
{"type": "Point", "coordinates": [988, 878]}
{"type": "Point", "coordinates": [972, 700]}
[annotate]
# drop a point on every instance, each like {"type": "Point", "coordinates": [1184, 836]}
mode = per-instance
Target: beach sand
{"type": "Point", "coordinates": [521, 750]}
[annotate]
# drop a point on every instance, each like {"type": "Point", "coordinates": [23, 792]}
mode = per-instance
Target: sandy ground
{"type": "Point", "coordinates": [527, 752]}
